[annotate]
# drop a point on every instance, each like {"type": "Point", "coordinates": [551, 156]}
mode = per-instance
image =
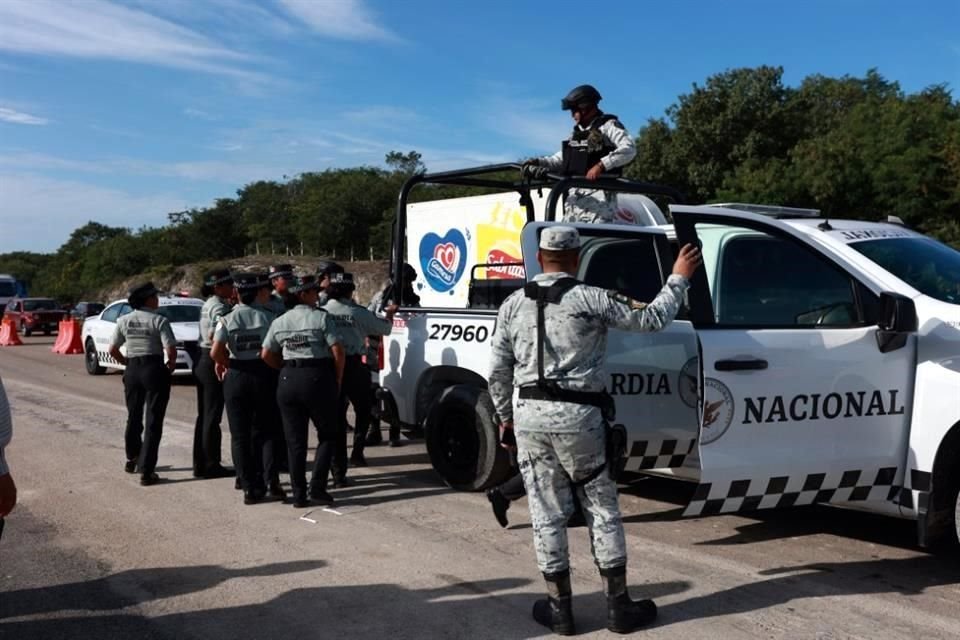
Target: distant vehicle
{"type": "Point", "coordinates": [8, 289]}
{"type": "Point", "coordinates": [184, 317]}
{"type": "Point", "coordinates": [34, 314]}
{"type": "Point", "coordinates": [84, 310]}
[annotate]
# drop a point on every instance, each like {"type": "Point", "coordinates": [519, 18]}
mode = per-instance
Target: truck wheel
{"type": "Point", "coordinates": [24, 329]}
{"type": "Point", "coordinates": [90, 359]}
{"type": "Point", "coordinates": [462, 439]}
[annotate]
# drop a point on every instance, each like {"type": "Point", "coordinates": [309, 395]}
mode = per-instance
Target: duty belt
{"type": "Point", "coordinates": [255, 365]}
{"type": "Point", "coordinates": [145, 359]}
{"type": "Point", "coordinates": [600, 399]}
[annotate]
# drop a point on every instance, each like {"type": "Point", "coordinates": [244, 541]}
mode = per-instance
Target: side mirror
{"type": "Point", "coordinates": [898, 317]}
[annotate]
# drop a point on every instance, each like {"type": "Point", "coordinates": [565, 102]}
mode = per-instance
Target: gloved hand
{"type": "Point", "coordinates": [533, 171]}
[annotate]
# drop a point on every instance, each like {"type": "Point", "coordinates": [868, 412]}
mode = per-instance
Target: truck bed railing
{"type": "Point", "coordinates": [481, 177]}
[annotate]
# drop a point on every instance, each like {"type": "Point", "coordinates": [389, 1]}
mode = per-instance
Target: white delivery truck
{"type": "Point", "coordinates": [818, 361]}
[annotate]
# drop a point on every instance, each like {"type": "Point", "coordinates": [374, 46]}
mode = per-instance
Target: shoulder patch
{"type": "Point", "coordinates": [616, 296]}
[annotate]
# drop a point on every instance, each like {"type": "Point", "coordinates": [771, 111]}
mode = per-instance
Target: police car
{"type": "Point", "coordinates": [818, 361]}
{"type": "Point", "coordinates": [183, 314]}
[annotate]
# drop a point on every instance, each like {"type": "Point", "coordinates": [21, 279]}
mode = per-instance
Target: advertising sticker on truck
{"type": "Point", "coordinates": [443, 259]}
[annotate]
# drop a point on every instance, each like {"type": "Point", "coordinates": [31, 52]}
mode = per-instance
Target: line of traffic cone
{"type": "Point", "coordinates": [8, 334]}
{"type": "Point", "coordinates": [68, 338]}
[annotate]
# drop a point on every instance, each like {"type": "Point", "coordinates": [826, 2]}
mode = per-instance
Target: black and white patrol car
{"type": "Point", "coordinates": [184, 317]}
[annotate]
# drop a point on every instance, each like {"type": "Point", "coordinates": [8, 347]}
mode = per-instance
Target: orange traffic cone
{"type": "Point", "coordinates": [8, 334]}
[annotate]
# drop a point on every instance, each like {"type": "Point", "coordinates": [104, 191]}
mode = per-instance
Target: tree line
{"type": "Point", "coordinates": [851, 147]}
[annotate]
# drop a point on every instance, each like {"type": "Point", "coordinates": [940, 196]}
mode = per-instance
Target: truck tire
{"type": "Point", "coordinates": [463, 439]}
{"type": "Point", "coordinates": [90, 359]}
{"type": "Point", "coordinates": [24, 329]}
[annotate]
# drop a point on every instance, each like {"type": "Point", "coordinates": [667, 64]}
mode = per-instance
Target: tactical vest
{"type": "Point", "coordinates": [546, 388]}
{"type": "Point", "coordinates": [587, 147]}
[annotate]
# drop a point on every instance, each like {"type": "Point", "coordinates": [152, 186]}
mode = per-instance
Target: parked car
{"type": "Point", "coordinates": [184, 317]}
{"type": "Point", "coordinates": [34, 314]}
{"type": "Point", "coordinates": [84, 310]}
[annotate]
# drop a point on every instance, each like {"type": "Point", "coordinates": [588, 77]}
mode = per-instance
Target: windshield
{"type": "Point", "coordinates": [37, 305]}
{"type": "Point", "coordinates": [180, 313]}
{"type": "Point", "coordinates": [8, 288]}
{"type": "Point", "coordinates": [926, 265]}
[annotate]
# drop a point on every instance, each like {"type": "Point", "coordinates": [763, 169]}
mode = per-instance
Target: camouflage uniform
{"type": "Point", "coordinates": [596, 205]}
{"type": "Point", "coordinates": [561, 445]}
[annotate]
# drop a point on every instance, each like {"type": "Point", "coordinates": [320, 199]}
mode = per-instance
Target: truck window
{"type": "Point", "coordinates": [760, 280]}
{"type": "Point", "coordinates": [629, 266]}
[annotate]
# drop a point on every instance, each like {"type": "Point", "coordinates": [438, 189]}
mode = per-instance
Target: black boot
{"type": "Point", "coordinates": [555, 612]}
{"type": "Point", "coordinates": [623, 614]}
{"type": "Point", "coordinates": [395, 436]}
{"type": "Point", "coordinates": [500, 505]}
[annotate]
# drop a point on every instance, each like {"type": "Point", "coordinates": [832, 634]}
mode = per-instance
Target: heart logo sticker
{"type": "Point", "coordinates": [443, 259]}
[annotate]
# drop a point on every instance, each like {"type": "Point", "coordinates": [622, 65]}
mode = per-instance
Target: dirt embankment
{"type": "Point", "coordinates": [369, 276]}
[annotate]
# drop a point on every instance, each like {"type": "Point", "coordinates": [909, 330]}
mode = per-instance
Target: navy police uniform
{"type": "Point", "coordinates": [353, 323]}
{"type": "Point", "coordinates": [307, 390]}
{"type": "Point", "coordinates": [146, 380]}
{"type": "Point", "coordinates": [248, 388]}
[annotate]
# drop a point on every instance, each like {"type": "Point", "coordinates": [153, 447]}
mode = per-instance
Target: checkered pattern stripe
{"type": "Point", "coordinates": [856, 485]}
{"type": "Point", "coordinates": [916, 495]}
{"type": "Point", "coordinates": [658, 454]}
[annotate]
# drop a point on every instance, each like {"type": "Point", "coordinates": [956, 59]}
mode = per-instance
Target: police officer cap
{"type": "Point", "coordinates": [248, 281]}
{"type": "Point", "coordinates": [304, 284]}
{"type": "Point", "coordinates": [141, 293]}
{"type": "Point", "coordinates": [217, 276]}
{"type": "Point", "coordinates": [281, 271]}
{"type": "Point", "coordinates": [559, 238]}
{"type": "Point", "coordinates": [326, 267]}
{"type": "Point", "coordinates": [580, 96]}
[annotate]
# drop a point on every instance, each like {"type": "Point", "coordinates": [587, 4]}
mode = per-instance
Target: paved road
{"type": "Point", "coordinates": [90, 554]}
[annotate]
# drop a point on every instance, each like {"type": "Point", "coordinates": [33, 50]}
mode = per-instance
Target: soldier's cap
{"type": "Point", "coordinates": [217, 276]}
{"type": "Point", "coordinates": [248, 281]}
{"type": "Point", "coordinates": [141, 293]}
{"type": "Point", "coordinates": [342, 278]}
{"type": "Point", "coordinates": [559, 238]}
{"type": "Point", "coordinates": [326, 267]}
{"type": "Point", "coordinates": [281, 271]}
{"type": "Point", "coordinates": [304, 284]}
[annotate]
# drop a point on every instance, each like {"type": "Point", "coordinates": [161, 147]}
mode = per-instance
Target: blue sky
{"type": "Point", "coordinates": [122, 111]}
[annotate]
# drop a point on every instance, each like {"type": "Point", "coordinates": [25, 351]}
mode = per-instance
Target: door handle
{"type": "Point", "coordinates": [740, 365]}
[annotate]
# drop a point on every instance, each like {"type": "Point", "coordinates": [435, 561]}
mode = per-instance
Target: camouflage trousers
{"type": "Point", "coordinates": [590, 205]}
{"type": "Point", "coordinates": [554, 465]}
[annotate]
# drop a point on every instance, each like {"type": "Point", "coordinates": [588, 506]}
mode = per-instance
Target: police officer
{"type": "Point", "coordinates": [282, 300]}
{"type": "Point", "coordinates": [386, 296]}
{"type": "Point", "coordinates": [304, 343]}
{"type": "Point", "coordinates": [599, 144]}
{"type": "Point", "coordinates": [353, 323]}
{"type": "Point", "coordinates": [146, 381]}
{"type": "Point", "coordinates": [324, 269]}
{"type": "Point", "coordinates": [248, 388]}
{"type": "Point", "coordinates": [207, 438]}
{"type": "Point", "coordinates": [550, 341]}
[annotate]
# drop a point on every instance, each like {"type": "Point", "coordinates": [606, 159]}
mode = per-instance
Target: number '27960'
{"type": "Point", "coordinates": [468, 333]}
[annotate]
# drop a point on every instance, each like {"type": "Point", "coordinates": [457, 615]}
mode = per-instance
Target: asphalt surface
{"type": "Point", "coordinates": [88, 553]}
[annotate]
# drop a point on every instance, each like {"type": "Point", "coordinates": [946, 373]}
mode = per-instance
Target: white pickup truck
{"type": "Point", "coordinates": [818, 360]}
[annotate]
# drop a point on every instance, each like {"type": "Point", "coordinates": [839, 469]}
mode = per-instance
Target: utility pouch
{"type": "Point", "coordinates": [616, 449]}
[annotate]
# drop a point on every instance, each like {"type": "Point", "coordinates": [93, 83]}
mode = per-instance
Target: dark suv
{"type": "Point", "coordinates": [84, 310]}
{"type": "Point", "coordinates": [34, 314]}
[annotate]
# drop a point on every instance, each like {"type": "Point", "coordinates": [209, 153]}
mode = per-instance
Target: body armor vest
{"type": "Point", "coordinates": [586, 147]}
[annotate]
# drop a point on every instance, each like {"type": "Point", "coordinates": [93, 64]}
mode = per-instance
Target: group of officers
{"type": "Point", "coordinates": [277, 351]}
{"type": "Point", "coordinates": [549, 347]}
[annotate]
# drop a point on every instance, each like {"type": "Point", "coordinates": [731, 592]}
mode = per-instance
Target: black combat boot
{"type": "Point", "coordinates": [555, 612]}
{"type": "Point", "coordinates": [623, 614]}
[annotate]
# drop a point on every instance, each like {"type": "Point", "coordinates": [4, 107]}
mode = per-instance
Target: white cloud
{"type": "Point", "coordinates": [18, 117]}
{"type": "Point", "coordinates": [199, 114]}
{"type": "Point", "coordinates": [39, 213]}
{"type": "Point", "coordinates": [101, 29]}
{"type": "Point", "coordinates": [345, 19]}
{"type": "Point", "coordinates": [528, 123]}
